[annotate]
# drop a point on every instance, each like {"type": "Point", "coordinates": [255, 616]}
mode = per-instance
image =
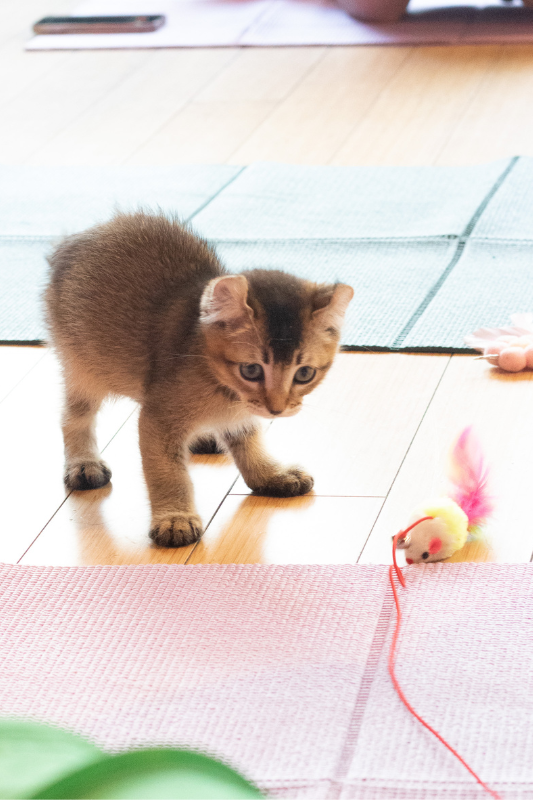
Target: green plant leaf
{"type": "Point", "coordinates": [32, 755]}
{"type": "Point", "coordinates": [158, 774]}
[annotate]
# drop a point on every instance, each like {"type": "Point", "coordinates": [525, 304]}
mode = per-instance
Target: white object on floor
{"type": "Point", "coordinates": [230, 23]}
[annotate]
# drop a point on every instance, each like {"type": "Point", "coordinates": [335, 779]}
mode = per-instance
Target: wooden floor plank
{"type": "Point", "coordinates": [266, 73]}
{"type": "Point", "coordinates": [498, 122]}
{"type": "Point", "coordinates": [355, 428]}
{"type": "Point", "coordinates": [19, 70]}
{"type": "Point", "coordinates": [302, 530]}
{"type": "Point", "coordinates": [203, 133]}
{"type": "Point", "coordinates": [31, 468]}
{"type": "Point", "coordinates": [351, 105]}
{"type": "Point", "coordinates": [212, 126]}
{"type": "Point", "coordinates": [110, 525]}
{"type": "Point", "coordinates": [418, 111]}
{"type": "Point", "coordinates": [115, 127]}
{"type": "Point", "coordinates": [15, 363]}
{"type": "Point", "coordinates": [41, 111]}
{"type": "Point", "coordinates": [312, 123]}
{"type": "Point", "coordinates": [498, 405]}
{"type": "Point", "coordinates": [354, 445]}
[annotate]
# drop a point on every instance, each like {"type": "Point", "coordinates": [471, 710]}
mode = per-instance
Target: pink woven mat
{"type": "Point", "coordinates": [281, 671]}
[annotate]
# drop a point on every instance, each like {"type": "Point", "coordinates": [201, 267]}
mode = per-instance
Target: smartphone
{"type": "Point", "coordinates": [137, 24]}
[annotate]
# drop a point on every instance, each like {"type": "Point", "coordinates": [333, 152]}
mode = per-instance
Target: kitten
{"type": "Point", "coordinates": [142, 307]}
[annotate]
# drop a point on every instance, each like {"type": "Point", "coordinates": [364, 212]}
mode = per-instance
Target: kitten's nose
{"type": "Point", "coordinates": [276, 402]}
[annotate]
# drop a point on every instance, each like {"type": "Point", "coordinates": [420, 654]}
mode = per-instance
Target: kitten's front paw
{"type": "Point", "coordinates": [87, 475]}
{"type": "Point", "coordinates": [176, 529]}
{"type": "Point", "coordinates": [290, 483]}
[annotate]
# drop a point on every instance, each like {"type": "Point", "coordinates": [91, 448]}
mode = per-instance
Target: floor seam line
{"type": "Point", "coordinates": [187, 103]}
{"type": "Point", "coordinates": [402, 462]}
{"type": "Point", "coordinates": [280, 102]}
{"type": "Point", "coordinates": [60, 506]}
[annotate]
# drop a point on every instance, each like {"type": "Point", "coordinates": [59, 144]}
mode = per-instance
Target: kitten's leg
{"type": "Point", "coordinates": [84, 469]}
{"type": "Point", "coordinates": [174, 519]}
{"type": "Point", "coordinates": [262, 474]}
{"type": "Point", "coordinates": [206, 446]}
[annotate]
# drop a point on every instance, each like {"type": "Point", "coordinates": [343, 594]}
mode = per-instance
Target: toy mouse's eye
{"type": "Point", "coordinates": [425, 555]}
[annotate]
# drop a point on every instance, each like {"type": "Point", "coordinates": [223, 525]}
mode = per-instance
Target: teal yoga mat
{"type": "Point", "coordinates": [432, 252]}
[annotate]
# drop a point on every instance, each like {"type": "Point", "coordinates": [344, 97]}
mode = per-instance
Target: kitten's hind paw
{"type": "Point", "coordinates": [292, 482]}
{"type": "Point", "coordinates": [87, 475]}
{"type": "Point", "coordinates": [206, 446]}
{"type": "Point", "coordinates": [176, 529]}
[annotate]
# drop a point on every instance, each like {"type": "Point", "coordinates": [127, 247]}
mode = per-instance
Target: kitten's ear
{"type": "Point", "coordinates": [224, 300]}
{"type": "Point", "coordinates": [331, 305]}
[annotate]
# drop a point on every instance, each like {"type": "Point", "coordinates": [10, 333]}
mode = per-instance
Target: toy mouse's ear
{"type": "Point", "coordinates": [435, 545]}
{"type": "Point", "coordinates": [403, 542]}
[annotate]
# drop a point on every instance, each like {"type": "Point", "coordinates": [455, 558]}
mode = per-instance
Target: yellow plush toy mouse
{"type": "Point", "coordinates": [441, 527]}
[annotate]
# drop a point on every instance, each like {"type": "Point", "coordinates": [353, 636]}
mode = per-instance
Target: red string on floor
{"type": "Point", "coordinates": [392, 673]}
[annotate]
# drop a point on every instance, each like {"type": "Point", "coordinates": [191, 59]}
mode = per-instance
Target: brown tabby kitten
{"type": "Point", "coordinates": [142, 307]}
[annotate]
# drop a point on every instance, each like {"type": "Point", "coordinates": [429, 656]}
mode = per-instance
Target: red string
{"type": "Point", "coordinates": [392, 658]}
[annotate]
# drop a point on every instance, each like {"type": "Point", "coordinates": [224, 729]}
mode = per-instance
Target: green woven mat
{"type": "Point", "coordinates": [432, 252]}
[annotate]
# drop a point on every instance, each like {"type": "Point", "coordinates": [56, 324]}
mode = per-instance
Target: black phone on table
{"type": "Point", "coordinates": [105, 24]}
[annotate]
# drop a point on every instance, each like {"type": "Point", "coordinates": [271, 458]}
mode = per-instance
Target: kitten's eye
{"type": "Point", "coordinates": [304, 375]}
{"type": "Point", "coordinates": [251, 372]}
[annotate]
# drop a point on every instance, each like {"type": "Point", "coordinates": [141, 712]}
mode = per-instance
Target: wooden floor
{"type": "Point", "coordinates": [376, 435]}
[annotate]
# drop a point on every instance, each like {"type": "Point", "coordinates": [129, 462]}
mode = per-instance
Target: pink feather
{"type": "Point", "coordinates": [469, 475]}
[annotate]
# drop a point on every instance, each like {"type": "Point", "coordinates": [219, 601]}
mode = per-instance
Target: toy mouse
{"type": "Point", "coordinates": [441, 527]}
{"type": "Point", "coordinates": [509, 348]}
